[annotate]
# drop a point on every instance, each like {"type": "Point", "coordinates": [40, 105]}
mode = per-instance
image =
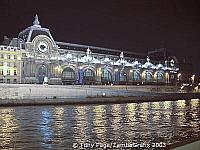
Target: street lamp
{"type": "Point", "coordinates": [167, 77]}
{"type": "Point", "coordinates": [179, 77]}
{"type": "Point", "coordinates": [125, 79]}
{"type": "Point", "coordinates": [193, 78]}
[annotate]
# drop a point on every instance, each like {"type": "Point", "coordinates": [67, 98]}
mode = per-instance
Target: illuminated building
{"type": "Point", "coordinates": [39, 55]}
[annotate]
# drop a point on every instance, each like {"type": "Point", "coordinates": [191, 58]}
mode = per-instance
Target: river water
{"type": "Point", "coordinates": [114, 126]}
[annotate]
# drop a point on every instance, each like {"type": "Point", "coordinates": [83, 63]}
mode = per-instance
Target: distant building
{"type": "Point", "coordinates": [35, 54]}
{"type": "Point", "coordinates": [185, 73]}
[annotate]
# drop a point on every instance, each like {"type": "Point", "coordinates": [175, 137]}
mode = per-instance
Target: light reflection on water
{"type": "Point", "coordinates": [57, 127]}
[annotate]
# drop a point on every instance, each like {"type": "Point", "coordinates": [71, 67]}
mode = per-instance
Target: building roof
{"type": "Point", "coordinates": [100, 50]}
{"type": "Point", "coordinates": [31, 32]}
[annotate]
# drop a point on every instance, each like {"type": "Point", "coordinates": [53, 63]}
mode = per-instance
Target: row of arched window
{"type": "Point", "coordinates": [88, 75]}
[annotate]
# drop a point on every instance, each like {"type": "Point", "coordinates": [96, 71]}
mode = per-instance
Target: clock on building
{"type": "Point", "coordinates": [42, 46]}
{"type": "Point", "coordinates": [172, 63]}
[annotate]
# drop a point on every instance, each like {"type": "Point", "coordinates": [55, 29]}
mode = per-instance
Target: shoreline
{"type": "Point", "coordinates": [185, 144]}
{"type": "Point", "coordinates": [100, 100]}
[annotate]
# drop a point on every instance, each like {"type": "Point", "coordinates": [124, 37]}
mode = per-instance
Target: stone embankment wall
{"type": "Point", "coordinates": [31, 91]}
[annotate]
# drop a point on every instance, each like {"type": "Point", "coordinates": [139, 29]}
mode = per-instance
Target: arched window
{"type": "Point", "coordinates": [148, 76]}
{"type": "Point", "coordinates": [106, 76]}
{"type": "Point", "coordinates": [42, 70]}
{"type": "Point", "coordinates": [68, 73]}
{"type": "Point", "coordinates": [136, 76]}
{"type": "Point", "coordinates": [41, 73]}
{"type": "Point", "coordinates": [159, 76]}
{"type": "Point", "coordinates": [123, 76]}
{"type": "Point", "coordinates": [89, 75]}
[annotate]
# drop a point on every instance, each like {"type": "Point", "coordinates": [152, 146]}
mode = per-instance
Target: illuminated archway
{"type": "Point", "coordinates": [89, 76]}
{"type": "Point", "coordinates": [148, 76]}
{"type": "Point", "coordinates": [42, 71]}
{"type": "Point", "coordinates": [160, 77]}
{"type": "Point", "coordinates": [68, 76]}
{"type": "Point", "coordinates": [136, 76]}
{"type": "Point", "coordinates": [106, 77]}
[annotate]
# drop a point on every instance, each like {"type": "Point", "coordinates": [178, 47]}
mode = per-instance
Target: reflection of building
{"type": "Point", "coordinates": [70, 63]}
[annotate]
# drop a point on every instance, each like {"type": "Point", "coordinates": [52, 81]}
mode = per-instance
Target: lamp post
{"type": "Point", "coordinates": [179, 77]}
{"type": "Point", "coordinates": [157, 81]}
{"type": "Point", "coordinates": [125, 79]}
{"type": "Point", "coordinates": [193, 79]}
{"type": "Point", "coordinates": [167, 77]}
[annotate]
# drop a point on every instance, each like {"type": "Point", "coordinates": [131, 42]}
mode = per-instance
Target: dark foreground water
{"type": "Point", "coordinates": [150, 124]}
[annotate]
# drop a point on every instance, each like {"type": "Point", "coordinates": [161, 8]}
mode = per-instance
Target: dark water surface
{"type": "Point", "coordinates": [147, 124]}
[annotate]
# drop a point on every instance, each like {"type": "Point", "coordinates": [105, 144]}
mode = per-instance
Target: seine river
{"type": "Point", "coordinates": [114, 126]}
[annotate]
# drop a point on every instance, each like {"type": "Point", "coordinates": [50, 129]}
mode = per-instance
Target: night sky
{"type": "Point", "coordinates": [127, 24]}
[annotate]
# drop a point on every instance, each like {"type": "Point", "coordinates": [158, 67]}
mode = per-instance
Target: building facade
{"type": "Point", "coordinates": [34, 54]}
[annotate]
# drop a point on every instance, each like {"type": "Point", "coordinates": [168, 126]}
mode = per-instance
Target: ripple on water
{"type": "Point", "coordinates": [57, 127]}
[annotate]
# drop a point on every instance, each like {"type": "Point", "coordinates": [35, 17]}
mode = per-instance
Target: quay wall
{"type": "Point", "coordinates": [35, 91]}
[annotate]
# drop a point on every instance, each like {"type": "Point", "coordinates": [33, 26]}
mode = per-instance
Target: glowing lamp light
{"type": "Point", "coordinates": [131, 70]}
{"type": "Point", "coordinates": [19, 58]}
{"type": "Point", "coordinates": [179, 74]}
{"type": "Point", "coordinates": [116, 70]}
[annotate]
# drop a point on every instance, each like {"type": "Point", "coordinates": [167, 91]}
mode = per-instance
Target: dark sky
{"type": "Point", "coordinates": [127, 24]}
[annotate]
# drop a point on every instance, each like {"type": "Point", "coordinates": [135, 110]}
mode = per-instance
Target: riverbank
{"type": "Point", "coordinates": [34, 94]}
{"type": "Point", "coordinates": [36, 91]}
{"type": "Point", "coordinates": [189, 144]}
{"type": "Point", "coordinates": [100, 100]}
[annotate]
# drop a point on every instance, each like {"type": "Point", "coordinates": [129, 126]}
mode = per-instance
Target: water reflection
{"type": "Point", "coordinates": [46, 129]}
{"type": "Point", "coordinates": [58, 127]}
{"type": "Point", "coordinates": [80, 125]}
{"type": "Point", "coordinates": [8, 126]}
{"type": "Point", "coordinates": [99, 123]}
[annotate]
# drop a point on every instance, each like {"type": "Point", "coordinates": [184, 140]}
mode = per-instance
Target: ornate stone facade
{"type": "Point", "coordinates": [67, 63]}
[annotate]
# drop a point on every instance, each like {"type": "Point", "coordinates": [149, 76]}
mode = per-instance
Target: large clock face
{"type": "Point", "coordinates": [43, 46]}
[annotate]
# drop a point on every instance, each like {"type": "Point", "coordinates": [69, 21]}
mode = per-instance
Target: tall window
{"type": "Point", "coordinates": [136, 76]}
{"type": "Point", "coordinates": [15, 72]}
{"type": "Point", "coordinates": [88, 74]}
{"type": "Point", "coordinates": [148, 76]}
{"type": "Point", "coordinates": [8, 80]}
{"type": "Point", "coordinates": [123, 76]}
{"type": "Point", "coordinates": [8, 64]}
{"type": "Point", "coordinates": [15, 65]}
{"type": "Point", "coordinates": [106, 75]}
{"type": "Point", "coordinates": [159, 76]}
{"type": "Point", "coordinates": [68, 73]}
{"type": "Point", "coordinates": [8, 72]}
